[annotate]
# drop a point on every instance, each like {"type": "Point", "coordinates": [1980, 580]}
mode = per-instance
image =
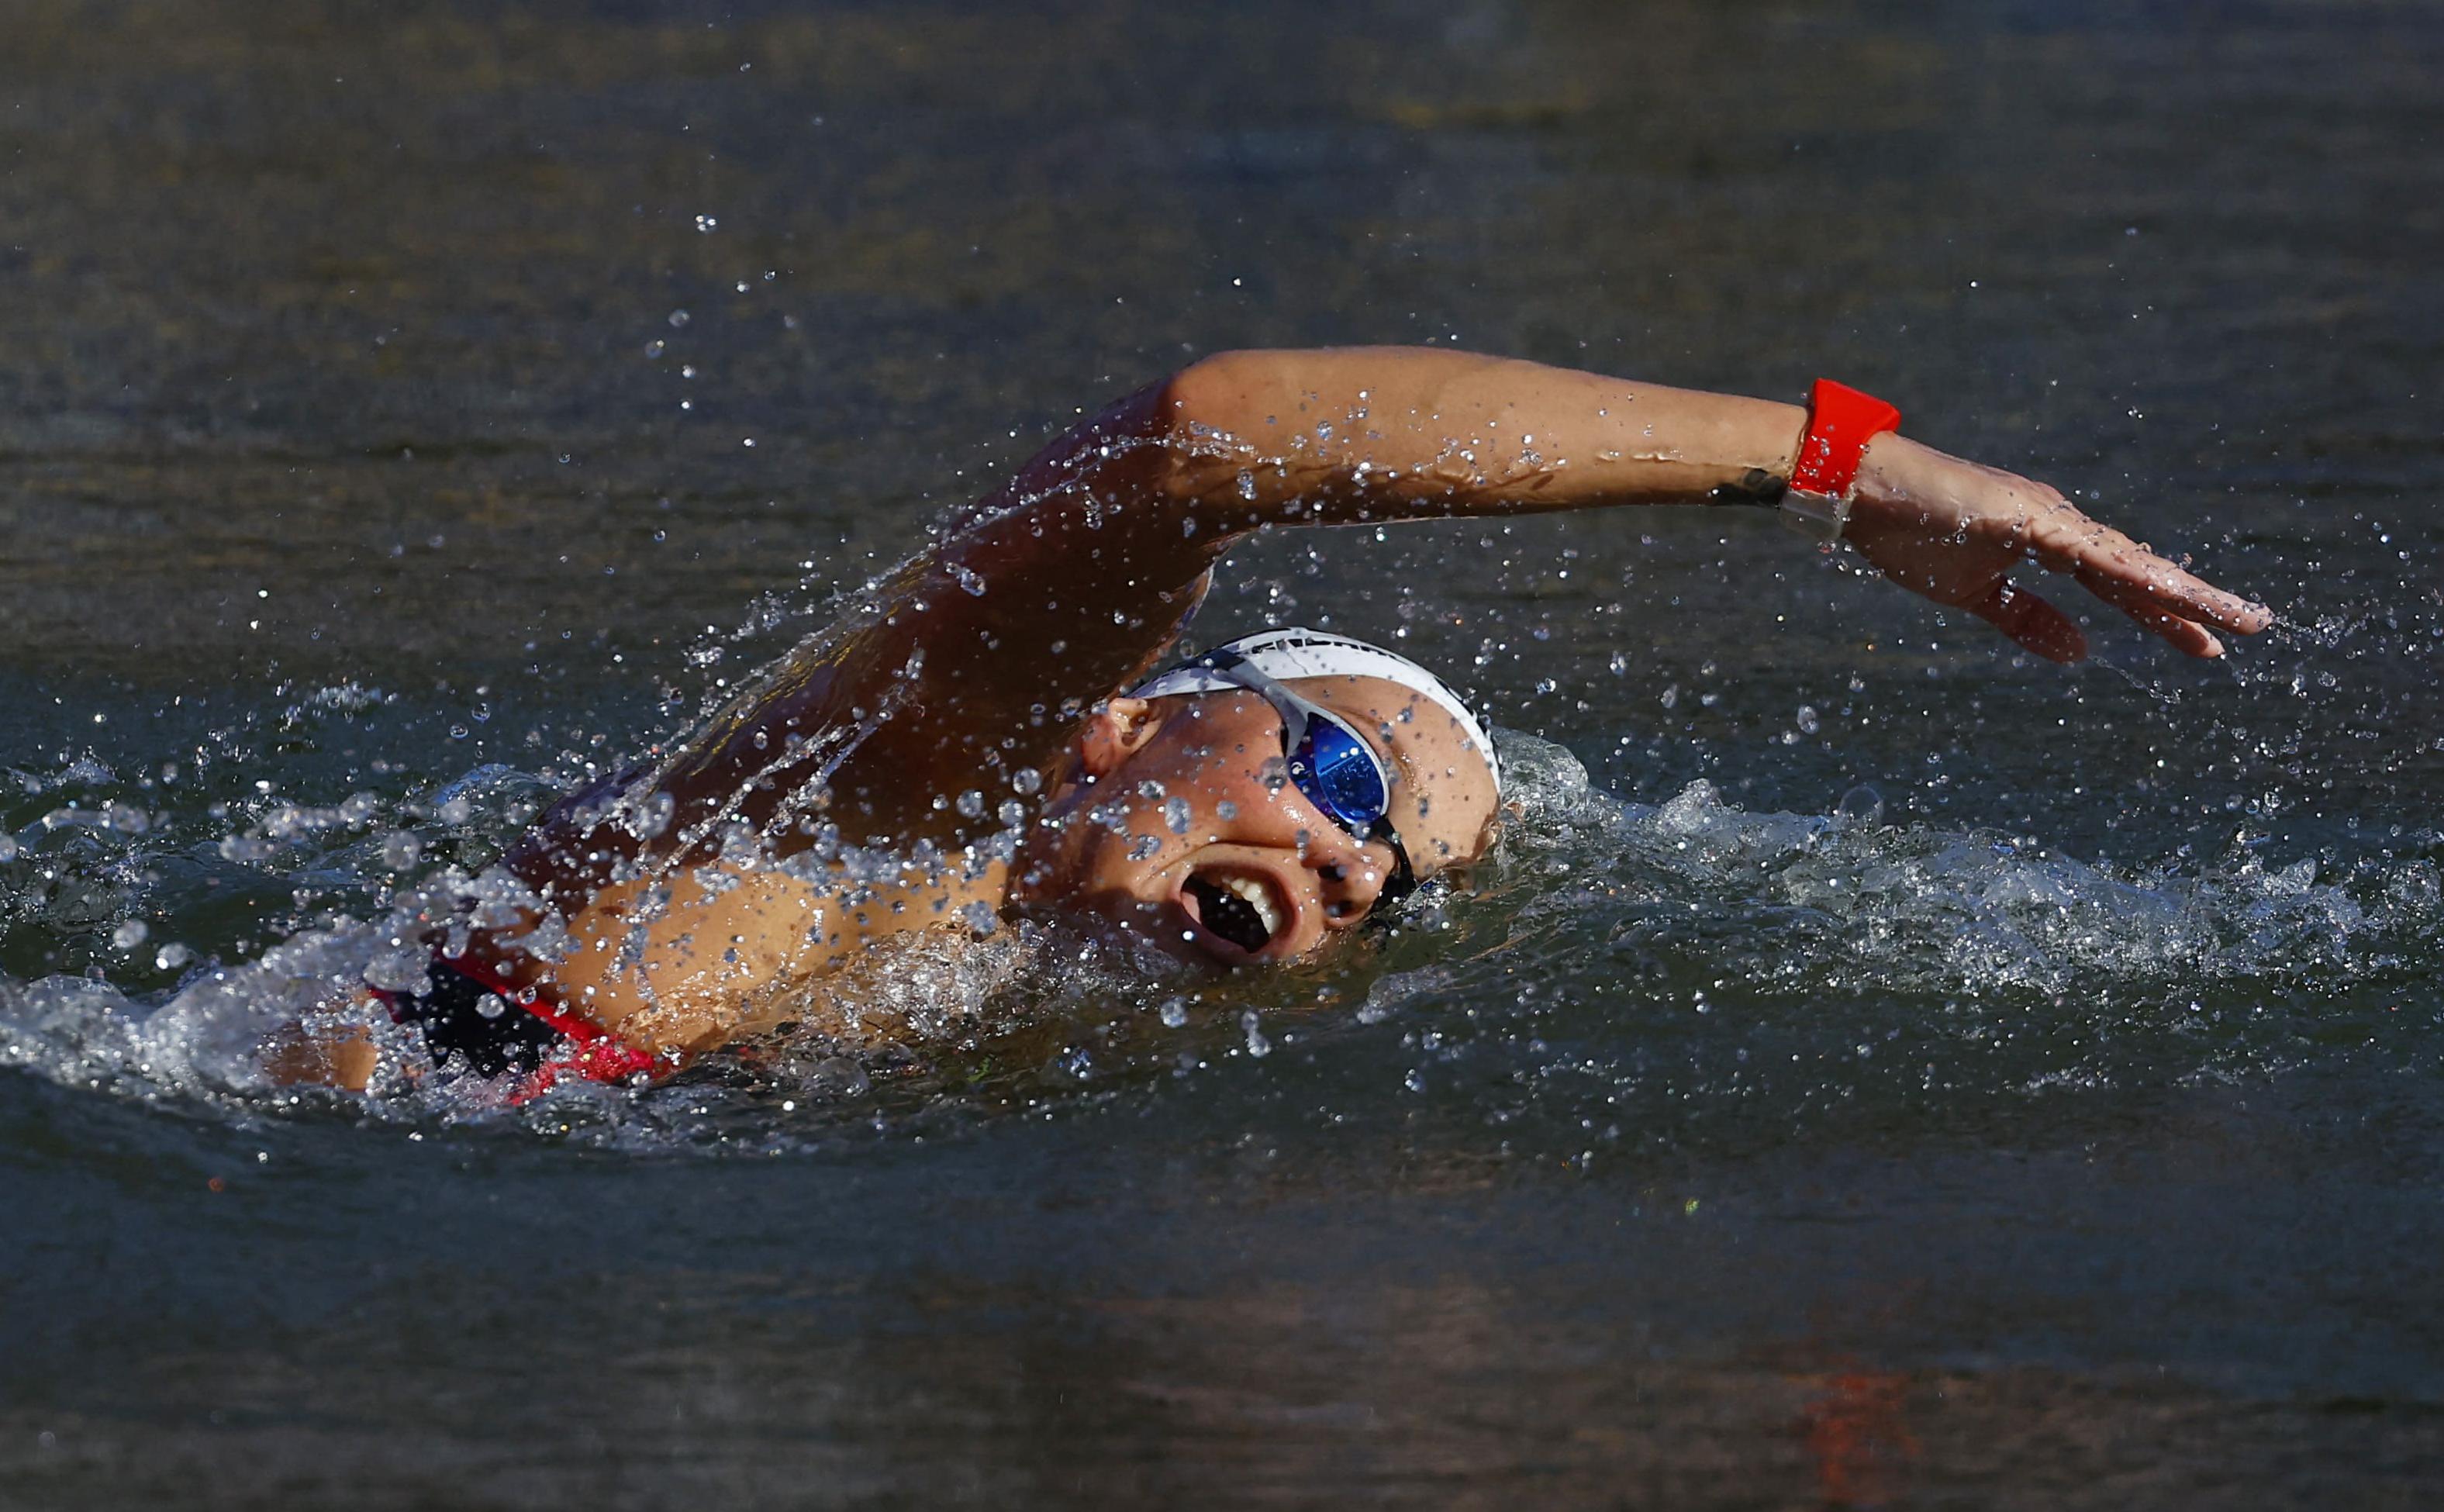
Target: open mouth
{"type": "Point", "coordinates": [1238, 908]}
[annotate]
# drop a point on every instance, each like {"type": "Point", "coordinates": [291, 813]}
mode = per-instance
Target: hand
{"type": "Point", "coordinates": [1951, 530]}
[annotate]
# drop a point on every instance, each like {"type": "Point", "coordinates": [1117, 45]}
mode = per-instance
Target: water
{"type": "Point", "coordinates": [1877, 1067]}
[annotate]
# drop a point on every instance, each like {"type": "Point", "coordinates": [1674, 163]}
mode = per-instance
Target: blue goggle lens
{"type": "Point", "coordinates": [1338, 773]}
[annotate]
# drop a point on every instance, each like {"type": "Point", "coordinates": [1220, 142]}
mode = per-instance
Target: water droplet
{"type": "Point", "coordinates": [652, 817]}
{"type": "Point", "coordinates": [1806, 720]}
{"type": "Point", "coordinates": [1174, 815]}
{"type": "Point", "coordinates": [1026, 780]}
{"type": "Point", "coordinates": [971, 803]}
{"type": "Point", "coordinates": [401, 851]}
{"type": "Point", "coordinates": [1861, 806]}
{"type": "Point", "coordinates": [130, 934]}
{"type": "Point", "coordinates": [1174, 1012]}
{"type": "Point", "coordinates": [1258, 1046]}
{"type": "Point", "coordinates": [678, 318]}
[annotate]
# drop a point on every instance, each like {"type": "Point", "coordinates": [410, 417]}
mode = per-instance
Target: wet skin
{"type": "Point", "coordinates": [738, 948]}
{"type": "Point", "coordinates": [1112, 842]}
{"type": "Point", "coordinates": [984, 664]}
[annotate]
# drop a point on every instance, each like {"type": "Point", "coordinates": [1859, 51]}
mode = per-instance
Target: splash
{"type": "Point", "coordinates": [1921, 908]}
{"type": "Point", "coordinates": [1614, 961]}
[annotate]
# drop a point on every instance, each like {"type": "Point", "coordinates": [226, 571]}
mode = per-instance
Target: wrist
{"type": "Point", "coordinates": [1842, 423]}
{"type": "Point", "coordinates": [1756, 447]}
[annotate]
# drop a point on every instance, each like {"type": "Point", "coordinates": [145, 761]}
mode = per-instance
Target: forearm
{"type": "Point", "coordinates": [1402, 433]}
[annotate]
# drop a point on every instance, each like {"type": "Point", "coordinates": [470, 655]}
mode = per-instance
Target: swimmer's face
{"type": "Point", "coordinates": [1177, 819]}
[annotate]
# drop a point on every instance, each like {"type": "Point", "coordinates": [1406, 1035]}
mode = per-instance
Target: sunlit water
{"type": "Point", "coordinates": [1874, 1067]}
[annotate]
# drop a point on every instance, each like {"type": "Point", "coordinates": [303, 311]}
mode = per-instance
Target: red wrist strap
{"type": "Point", "coordinates": [1840, 422]}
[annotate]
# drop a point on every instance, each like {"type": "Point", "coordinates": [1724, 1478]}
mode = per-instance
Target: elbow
{"type": "Point", "coordinates": [1214, 397]}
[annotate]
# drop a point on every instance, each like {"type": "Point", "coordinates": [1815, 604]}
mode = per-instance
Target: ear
{"type": "Point", "coordinates": [1115, 730]}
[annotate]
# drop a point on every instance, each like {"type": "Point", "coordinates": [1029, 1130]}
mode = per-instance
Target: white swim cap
{"type": "Point", "coordinates": [1289, 653]}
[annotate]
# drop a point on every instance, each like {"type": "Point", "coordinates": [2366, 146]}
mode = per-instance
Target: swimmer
{"type": "Point", "coordinates": [990, 732]}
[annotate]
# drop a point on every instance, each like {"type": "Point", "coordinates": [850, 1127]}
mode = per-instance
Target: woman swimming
{"type": "Point", "coordinates": [981, 734]}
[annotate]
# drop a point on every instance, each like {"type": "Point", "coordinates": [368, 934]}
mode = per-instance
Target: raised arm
{"type": "Point", "coordinates": [1404, 432]}
{"type": "Point", "coordinates": [1065, 583]}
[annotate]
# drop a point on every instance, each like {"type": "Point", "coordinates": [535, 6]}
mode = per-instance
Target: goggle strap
{"type": "Point", "coordinates": [1288, 705]}
{"type": "Point", "coordinates": [1404, 880]}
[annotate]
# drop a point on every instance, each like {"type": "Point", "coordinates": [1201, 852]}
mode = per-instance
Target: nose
{"type": "Point", "coordinates": [1349, 874]}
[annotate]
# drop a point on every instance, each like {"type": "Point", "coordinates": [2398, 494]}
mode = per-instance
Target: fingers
{"type": "Point", "coordinates": [2032, 622]}
{"type": "Point", "coordinates": [2141, 605]}
{"type": "Point", "coordinates": [2123, 572]}
{"type": "Point", "coordinates": [2045, 630]}
{"type": "Point", "coordinates": [2186, 635]}
{"type": "Point", "coordinates": [2140, 576]}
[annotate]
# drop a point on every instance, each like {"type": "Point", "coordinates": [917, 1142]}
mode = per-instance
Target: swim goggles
{"type": "Point", "coordinates": [1338, 771]}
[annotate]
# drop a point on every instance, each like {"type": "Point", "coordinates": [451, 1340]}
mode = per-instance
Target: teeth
{"type": "Point", "coordinates": [1260, 897]}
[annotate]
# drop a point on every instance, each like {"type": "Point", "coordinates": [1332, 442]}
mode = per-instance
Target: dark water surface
{"type": "Point", "coordinates": [1896, 1072]}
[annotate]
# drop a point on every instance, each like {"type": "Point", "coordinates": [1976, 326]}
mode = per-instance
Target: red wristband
{"type": "Point", "coordinates": [1840, 422]}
